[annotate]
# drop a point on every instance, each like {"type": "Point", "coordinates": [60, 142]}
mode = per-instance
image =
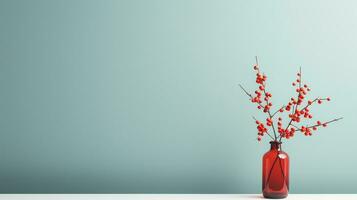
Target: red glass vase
{"type": "Point", "coordinates": [275, 172]}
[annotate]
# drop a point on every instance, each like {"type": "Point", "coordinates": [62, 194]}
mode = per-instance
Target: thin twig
{"type": "Point", "coordinates": [294, 126]}
{"type": "Point", "coordinates": [245, 91]}
{"type": "Point", "coordinates": [317, 125]}
{"type": "Point", "coordinates": [316, 99]}
{"type": "Point", "coordinates": [256, 60]}
{"type": "Point", "coordinates": [251, 96]}
{"type": "Point", "coordinates": [282, 107]}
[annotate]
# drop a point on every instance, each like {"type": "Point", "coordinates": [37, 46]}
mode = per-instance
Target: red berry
{"type": "Point", "coordinates": [259, 139]}
{"type": "Point", "coordinates": [328, 99]}
{"type": "Point", "coordinates": [324, 125]}
{"type": "Point", "coordinates": [294, 83]}
{"type": "Point", "coordinates": [318, 123]}
{"type": "Point", "coordinates": [319, 101]}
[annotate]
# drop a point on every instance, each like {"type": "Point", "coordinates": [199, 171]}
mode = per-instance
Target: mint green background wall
{"type": "Point", "coordinates": [142, 96]}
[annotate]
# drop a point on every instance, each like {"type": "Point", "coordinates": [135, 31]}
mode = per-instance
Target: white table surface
{"type": "Point", "coordinates": [170, 196]}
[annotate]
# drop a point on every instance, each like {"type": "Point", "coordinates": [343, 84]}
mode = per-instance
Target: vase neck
{"type": "Point", "coordinates": [275, 145]}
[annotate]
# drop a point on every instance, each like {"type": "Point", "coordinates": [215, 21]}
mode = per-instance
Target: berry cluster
{"type": "Point", "coordinates": [261, 128]}
{"type": "Point", "coordinates": [287, 133]}
{"type": "Point", "coordinates": [260, 92]}
{"type": "Point", "coordinates": [295, 114]}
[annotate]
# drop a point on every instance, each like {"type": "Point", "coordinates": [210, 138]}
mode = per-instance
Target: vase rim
{"type": "Point", "coordinates": [276, 142]}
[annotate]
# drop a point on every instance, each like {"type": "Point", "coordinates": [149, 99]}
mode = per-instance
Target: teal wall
{"type": "Point", "coordinates": [142, 96]}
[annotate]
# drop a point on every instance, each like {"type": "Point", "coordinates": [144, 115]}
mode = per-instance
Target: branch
{"type": "Point", "coordinates": [316, 99]}
{"type": "Point", "coordinates": [270, 116]}
{"type": "Point", "coordinates": [282, 107]}
{"type": "Point", "coordinates": [251, 97]}
{"type": "Point", "coordinates": [294, 126]}
{"type": "Point", "coordinates": [248, 94]}
{"type": "Point", "coordinates": [317, 125]}
{"type": "Point", "coordinates": [296, 106]}
{"type": "Point", "coordinates": [245, 91]}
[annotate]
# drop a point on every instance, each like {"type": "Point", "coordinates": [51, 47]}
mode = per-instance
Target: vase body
{"type": "Point", "coordinates": [275, 172]}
